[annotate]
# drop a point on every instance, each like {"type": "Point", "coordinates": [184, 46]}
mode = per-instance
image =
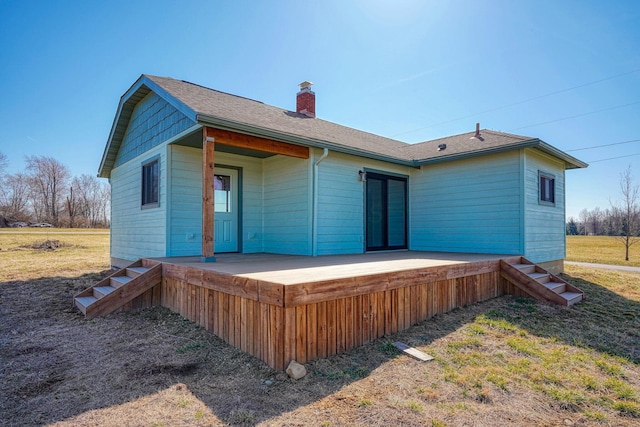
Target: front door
{"type": "Point", "coordinates": [386, 214]}
{"type": "Point", "coordinates": [225, 227]}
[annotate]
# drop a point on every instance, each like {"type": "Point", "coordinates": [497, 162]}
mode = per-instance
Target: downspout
{"type": "Point", "coordinates": [314, 232]}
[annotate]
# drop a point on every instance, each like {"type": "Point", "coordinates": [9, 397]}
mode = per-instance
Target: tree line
{"type": "Point", "coordinates": [621, 220]}
{"type": "Point", "coordinates": [45, 192]}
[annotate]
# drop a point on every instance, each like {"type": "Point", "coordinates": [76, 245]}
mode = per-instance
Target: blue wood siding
{"type": "Point", "coordinates": [137, 232]}
{"type": "Point", "coordinates": [153, 122]}
{"type": "Point", "coordinates": [185, 212]}
{"type": "Point", "coordinates": [341, 202]}
{"type": "Point", "coordinates": [471, 205]}
{"type": "Point", "coordinates": [544, 225]}
{"type": "Point", "coordinates": [185, 218]}
{"type": "Point", "coordinates": [287, 205]}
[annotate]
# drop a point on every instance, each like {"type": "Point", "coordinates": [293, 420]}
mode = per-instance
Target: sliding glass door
{"type": "Point", "coordinates": [386, 212]}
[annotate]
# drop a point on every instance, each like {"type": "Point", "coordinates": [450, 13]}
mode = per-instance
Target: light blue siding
{"type": "Point", "coordinates": [471, 205]}
{"type": "Point", "coordinates": [153, 122]}
{"type": "Point", "coordinates": [185, 219]}
{"type": "Point", "coordinates": [287, 205]}
{"type": "Point", "coordinates": [185, 212]}
{"type": "Point", "coordinates": [544, 225]}
{"type": "Point", "coordinates": [341, 202]}
{"type": "Point", "coordinates": [137, 232]}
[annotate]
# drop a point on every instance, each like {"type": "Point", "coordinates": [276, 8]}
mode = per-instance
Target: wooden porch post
{"type": "Point", "coordinates": [208, 153]}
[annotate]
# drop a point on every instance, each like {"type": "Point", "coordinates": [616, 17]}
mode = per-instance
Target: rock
{"type": "Point", "coordinates": [296, 370]}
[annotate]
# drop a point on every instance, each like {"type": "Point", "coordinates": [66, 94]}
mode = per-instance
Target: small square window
{"type": "Point", "coordinates": [150, 183]}
{"type": "Point", "coordinates": [547, 185]}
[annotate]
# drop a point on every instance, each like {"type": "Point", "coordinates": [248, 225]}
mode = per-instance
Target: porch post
{"type": "Point", "coordinates": [208, 146]}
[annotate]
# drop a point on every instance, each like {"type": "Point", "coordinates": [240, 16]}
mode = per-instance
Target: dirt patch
{"type": "Point", "coordinates": [503, 362]}
{"type": "Point", "coordinates": [47, 245]}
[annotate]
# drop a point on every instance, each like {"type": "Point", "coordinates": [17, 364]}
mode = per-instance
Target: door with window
{"type": "Point", "coordinates": [386, 212]}
{"type": "Point", "coordinates": [225, 227]}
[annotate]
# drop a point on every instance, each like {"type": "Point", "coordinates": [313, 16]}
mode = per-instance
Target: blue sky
{"type": "Point", "coordinates": [411, 70]}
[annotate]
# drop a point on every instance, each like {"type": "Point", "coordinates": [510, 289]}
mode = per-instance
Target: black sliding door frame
{"type": "Point", "coordinates": [377, 205]}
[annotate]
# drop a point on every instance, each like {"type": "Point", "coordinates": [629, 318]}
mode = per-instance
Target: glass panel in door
{"type": "Point", "coordinates": [386, 215]}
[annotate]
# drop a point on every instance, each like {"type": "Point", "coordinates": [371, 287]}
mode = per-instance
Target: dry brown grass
{"type": "Point", "coordinates": [22, 256]}
{"type": "Point", "coordinates": [601, 250]}
{"type": "Point", "coordinates": [508, 361]}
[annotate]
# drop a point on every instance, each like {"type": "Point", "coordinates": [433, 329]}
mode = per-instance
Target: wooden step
{"type": "Point", "coordinates": [119, 281]}
{"type": "Point", "coordinates": [134, 272]}
{"type": "Point", "coordinates": [101, 291]}
{"type": "Point", "coordinates": [538, 283]}
{"type": "Point", "coordinates": [540, 277]}
{"type": "Point", "coordinates": [556, 287]}
{"type": "Point", "coordinates": [83, 302]}
{"type": "Point", "coordinates": [572, 297]}
{"type": "Point", "coordinates": [525, 268]}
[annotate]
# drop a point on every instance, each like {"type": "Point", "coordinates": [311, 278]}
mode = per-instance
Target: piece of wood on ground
{"type": "Point", "coordinates": [413, 352]}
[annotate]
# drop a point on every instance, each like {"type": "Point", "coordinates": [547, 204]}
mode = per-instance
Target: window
{"type": "Point", "coordinates": [222, 193]}
{"type": "Point", "coordinates": [547, 185]}
{"type": "Point", "coordinates": [150, 183]}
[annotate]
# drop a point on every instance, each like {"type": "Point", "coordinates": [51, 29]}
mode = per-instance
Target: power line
{"type": "Point", "coordinates": [614, 158]}
{"type": "Point", "coordinates": [605, 145]}
{"type": "Point", "coordinates": [520, 102]}
{"type": "Point", "coordinates": [577, 115]}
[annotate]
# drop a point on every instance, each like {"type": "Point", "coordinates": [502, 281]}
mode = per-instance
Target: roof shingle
{"type": "Point", "coordinates": [208, 105]}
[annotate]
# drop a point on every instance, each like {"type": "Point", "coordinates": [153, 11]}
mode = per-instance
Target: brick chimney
{"type": "Point", "coordinates": [306, 100]}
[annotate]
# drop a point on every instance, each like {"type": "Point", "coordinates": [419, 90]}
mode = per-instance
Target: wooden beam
{"type": "Point", "coordinates": [234, 139]}
{"type": "Point", "coordinates": [208, 154]}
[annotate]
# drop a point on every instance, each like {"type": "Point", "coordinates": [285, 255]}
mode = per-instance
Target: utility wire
{"type": "Point", "coordinates": [605, 145]}
{"type": "Point", "coordinates": [520, 102]}
{"type": "Point", "coordinates": [614, 158]}
{"type": "Point", "coordinates": [576, 115]}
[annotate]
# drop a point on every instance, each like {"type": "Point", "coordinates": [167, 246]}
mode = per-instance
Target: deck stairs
{"type": "Point", "coordinates": [538, 283]}
{"type": "Point", "coordinates": [119, 288]}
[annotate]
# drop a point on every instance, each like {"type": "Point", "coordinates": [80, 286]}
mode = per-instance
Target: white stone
{"type": "Point", "coordinates": [296, 370]}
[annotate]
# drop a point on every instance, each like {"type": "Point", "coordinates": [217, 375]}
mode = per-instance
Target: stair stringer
{"type": "Point", "coordinates": [532, 287]}
{"type": "Point", "coordinates": [123, 294]}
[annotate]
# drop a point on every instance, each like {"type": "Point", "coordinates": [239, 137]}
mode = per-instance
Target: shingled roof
{"type": "Point", "coordinates": [219, 109]}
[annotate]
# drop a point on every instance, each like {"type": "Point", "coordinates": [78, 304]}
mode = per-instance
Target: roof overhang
{"type": "Point", "coordinates": [570, 161]}
{"type": "Point", "coordinates": [141, 88]}
{"type": "Point", "coordinates": [230, 125]}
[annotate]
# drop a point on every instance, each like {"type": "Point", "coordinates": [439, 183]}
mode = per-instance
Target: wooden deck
{"type": "Point", "coordinates": [281, 308]}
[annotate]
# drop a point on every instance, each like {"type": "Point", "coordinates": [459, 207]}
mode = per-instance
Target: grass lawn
{"type": "Point", "coordinates": [31, 253]}
{"type": "Point", "coordinates": [507, 361]}
{"type": "Point", "coordinates": [601, 250]}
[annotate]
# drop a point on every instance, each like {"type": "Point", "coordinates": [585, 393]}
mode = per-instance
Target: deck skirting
{"type": "Point", "coordinates": [280, 323]}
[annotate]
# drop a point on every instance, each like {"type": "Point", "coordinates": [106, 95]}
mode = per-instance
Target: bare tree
{"type": "Point", "coordinates": [15, 200]}
{"type": "Point", "coordinates": [90, 198]}
{"type": "Point", "coordinates": [4, 162]}
{"type": "Point", "coordinates": [48, 178]}
{"type": "Point", "coordinates": [103, 209]}
{"type": "Point", "coordinates": [627, 211]}
{"type": "Point", "coordinates": [72, 207]}
{"type": "Point", "coordinates": [584, 219]}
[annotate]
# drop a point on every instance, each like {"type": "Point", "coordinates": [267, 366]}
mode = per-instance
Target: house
{"type": "Point", "coordinates": [287, 182]}
{"type": "Point", "coordinates": [294, 238]}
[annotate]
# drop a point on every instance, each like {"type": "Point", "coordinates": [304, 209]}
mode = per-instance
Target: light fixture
{"type": "Point", "coordinates": [363, 176]}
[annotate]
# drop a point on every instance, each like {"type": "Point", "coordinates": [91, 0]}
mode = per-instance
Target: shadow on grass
{"type": "Point", "coordinates": [605, 321]}
{"type": "Point", "coordinates": [55, 366]}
